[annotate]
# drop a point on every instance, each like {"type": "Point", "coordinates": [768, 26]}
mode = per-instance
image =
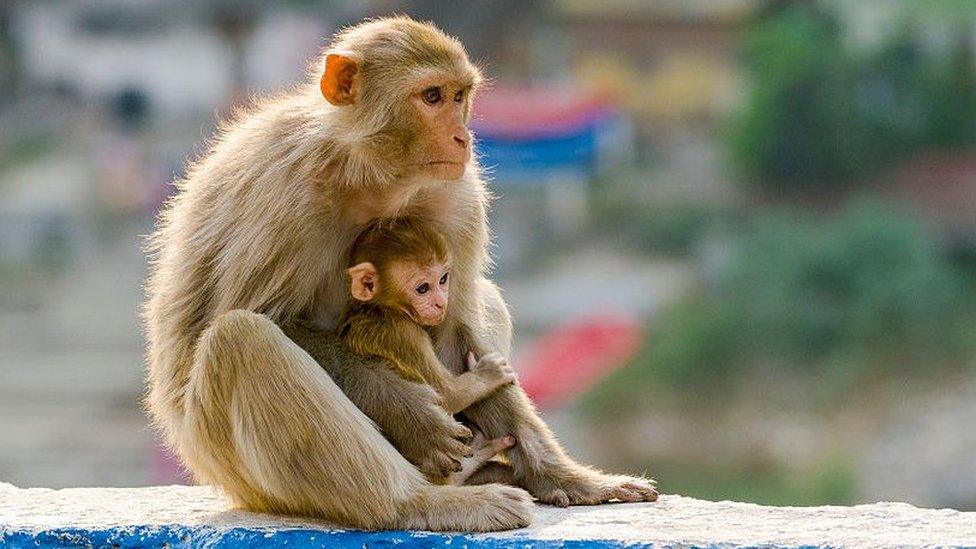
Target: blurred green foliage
{"type": "Point", "coordinates": [798, 123]}
{"type": "Point", "coordinates": [865, 291]}
{"type": "Point", "coordinates": [871, 279]}
{"type": "Point", "coordinates": [817, 114]}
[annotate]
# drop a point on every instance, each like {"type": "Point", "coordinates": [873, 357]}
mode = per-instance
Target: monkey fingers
{"type": "Point", "coordinates": [443, 447]}
{"type": "Point", "coordinates": [494, 368]}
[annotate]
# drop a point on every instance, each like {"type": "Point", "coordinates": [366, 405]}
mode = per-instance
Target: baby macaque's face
{"type": "Point", "coordinates": [424, 290]}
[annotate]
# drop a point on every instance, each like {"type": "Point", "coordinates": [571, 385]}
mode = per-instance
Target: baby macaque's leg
{"type": "Point", "coordinates": [485, 376]}
{"type": "Point", "coordinates": [484, 450]}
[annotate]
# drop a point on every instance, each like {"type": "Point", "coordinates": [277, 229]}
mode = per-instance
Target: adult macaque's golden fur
{"type": "Point", "coordinates": [256, 239]}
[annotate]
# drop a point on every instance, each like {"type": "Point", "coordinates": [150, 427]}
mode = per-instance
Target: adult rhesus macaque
{"type": "Point", "coordinates": [257, 237]}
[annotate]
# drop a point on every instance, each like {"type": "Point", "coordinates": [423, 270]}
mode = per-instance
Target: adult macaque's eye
{"type": "Point", "coordinates": [444, 279]}
{"type": "Point", "coordinates": [431, 96]}
{"type": "Point", "coordinates": [459, 96]}
{"type": "Point", "coordinates": [423, 288]}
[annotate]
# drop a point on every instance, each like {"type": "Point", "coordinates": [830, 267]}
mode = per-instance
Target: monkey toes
{"type": "Point", "coordinates": [507, 507]}
{"type": "Point", "coordinates": [631, 491]}
{"type": "Point", "coordinates": [594, 489]}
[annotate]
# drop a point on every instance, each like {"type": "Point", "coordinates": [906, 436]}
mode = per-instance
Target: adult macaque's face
{"type": "Point", "coordinates": [425, 290]}
{"type": "Point", "coordinates": [445, 145]}
{"type": "Point", "coordinates": [426, 135]}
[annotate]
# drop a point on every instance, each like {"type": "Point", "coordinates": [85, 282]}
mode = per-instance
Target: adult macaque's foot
{"type": "Point", "coordinates": [580, 486]}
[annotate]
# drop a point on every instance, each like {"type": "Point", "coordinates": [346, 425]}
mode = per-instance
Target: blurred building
{"type": "Point", "coordinates": [666, 60]}
{"type": "Point", "coordinates": [180, 57]}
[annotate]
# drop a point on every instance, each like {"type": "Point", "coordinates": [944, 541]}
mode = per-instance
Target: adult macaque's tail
{"type": "Point", "coordinates": [266, 423]}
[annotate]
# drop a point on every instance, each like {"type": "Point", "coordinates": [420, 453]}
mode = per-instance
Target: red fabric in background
{"type": "Point", "coordinates": [569, 360]}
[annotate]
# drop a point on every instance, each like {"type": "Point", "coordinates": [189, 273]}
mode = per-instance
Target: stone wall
{"type": "Point", "coordinates": [182, 516]}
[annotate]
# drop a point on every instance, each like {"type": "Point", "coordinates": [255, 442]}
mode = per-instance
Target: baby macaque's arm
{"type": "Point", "coordinates": [484, 450]}
{"type": "Point", "coordinates": [485, 376]}
{"type": "Point", "coordinates": [408, 347]}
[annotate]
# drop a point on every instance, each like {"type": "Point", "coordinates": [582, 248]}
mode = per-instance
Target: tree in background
{"type": "Point", "coordinates": [866, 291]}
{"type": "Point", "coordinates": [952, 97]}
{"type": "Point", "coordinates": [817, 115]}
{"type": "Point", "coordinates": [799, 123]}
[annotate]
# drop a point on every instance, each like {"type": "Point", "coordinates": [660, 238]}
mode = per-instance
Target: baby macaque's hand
{"type": "Point", "coordinates": [493, 368]}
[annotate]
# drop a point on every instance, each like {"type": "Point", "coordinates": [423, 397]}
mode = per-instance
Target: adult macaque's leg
{"type": "Point", "coordinates": [539, 463]}
{"type": "Point", "coordinates": [268, 425]}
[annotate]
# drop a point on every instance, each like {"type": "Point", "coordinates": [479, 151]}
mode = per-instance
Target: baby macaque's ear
{"type": "Point", "coordinates": [365, 281]}
{"type": "Point", "coordinates": [340, 79]}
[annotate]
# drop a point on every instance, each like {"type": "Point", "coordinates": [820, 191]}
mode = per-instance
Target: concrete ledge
{"type": "Point", "coordinates": [181, 516]}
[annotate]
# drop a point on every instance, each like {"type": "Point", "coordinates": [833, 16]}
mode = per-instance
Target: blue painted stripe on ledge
{"type": "Point", "coordinates": [216, 538]}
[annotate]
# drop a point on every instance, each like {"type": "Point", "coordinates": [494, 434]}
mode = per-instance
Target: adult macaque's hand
{"type": "Point", "coordinates": [441, 442]}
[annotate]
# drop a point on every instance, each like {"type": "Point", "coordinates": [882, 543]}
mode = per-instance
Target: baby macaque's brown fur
{"type": "Point", "coordinates": [381, 321]}
{"type": "Point", "coordinates": [256, 239]}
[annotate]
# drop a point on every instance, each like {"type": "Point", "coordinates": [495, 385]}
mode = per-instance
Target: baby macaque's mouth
{"type": "Point", "coordinates": [434, 320]}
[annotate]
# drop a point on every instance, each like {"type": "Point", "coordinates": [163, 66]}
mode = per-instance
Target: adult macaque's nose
{"type": "Point", "coordinates": [461, 136]}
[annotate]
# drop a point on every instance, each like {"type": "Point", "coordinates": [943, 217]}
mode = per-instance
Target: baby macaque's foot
{"type": "Point", "coordinates": [493, 368]}
{"type": "Point", "coordinates": [484, 450]}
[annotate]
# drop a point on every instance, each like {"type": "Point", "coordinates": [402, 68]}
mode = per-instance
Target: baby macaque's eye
{"type": "Point", "coordinates": [444, 279]}
{"type": "Point", "coordinates": [423, 288]}
{"type": "Point", "coordinates": [431, 96]}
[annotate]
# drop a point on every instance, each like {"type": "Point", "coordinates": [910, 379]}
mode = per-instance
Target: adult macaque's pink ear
{"type": "Point", "coordinates": [340, 80]}
{"type": "Point", "coordinates": [365, 281]}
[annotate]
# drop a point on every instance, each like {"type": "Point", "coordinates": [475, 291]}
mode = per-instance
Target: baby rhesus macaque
{"type": "Point", "coordinates": [400, 280]}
